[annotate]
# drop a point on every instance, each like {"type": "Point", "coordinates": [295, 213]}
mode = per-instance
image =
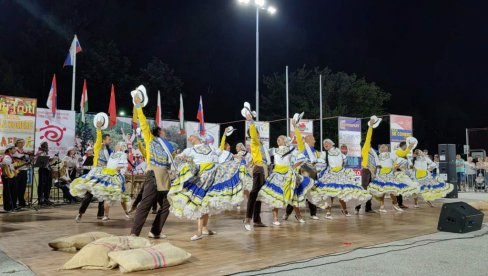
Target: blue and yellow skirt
{"type": "Point", "coordinates": [207, 188]}
{"type": "Point", "coordinates": [432, 188]}
{"type": "Point", "coordinates": [341, 184]}
{"type": "Point", "coordinates": [284, 186]}
{"type": "Point", "coordinates": [105, 184]}
{"type": "Point", "coordinates": [393, 183]}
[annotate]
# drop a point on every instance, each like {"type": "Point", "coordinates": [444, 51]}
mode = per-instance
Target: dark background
{"type": "Point", "coordinates": [430, 55]}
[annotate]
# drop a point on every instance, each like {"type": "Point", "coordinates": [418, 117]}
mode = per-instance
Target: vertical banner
{"type": "Point", "coordinates": [350, 136]}
{"type": "Point", "coordinates": [401, 127]}
{"type": "Point", "coordinates": [264, 134]}
{"type": "Point", "coordinates": [58, 131]}
{"type": "Point", "coordinates": [17, 120]}
{"type": "Point", "coordinates": [305, 127]}
{"type": "Point", "coordinates": [212, 132]}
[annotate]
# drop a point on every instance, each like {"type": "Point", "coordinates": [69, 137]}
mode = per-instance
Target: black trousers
{"type": "Point", "coordinates": [311, 206]}
{"type": "Point", "coordinates": [44, 187]}
{"type": "Point", "coordinates": [254, 206]}
{"type": "Point", "coordinates": [366, 178]}
{"type": "Point", "coordinates": [20, 186]}
{"type": "Point", "coordinates": [400, 200]}
{"type": "Point", "coordinates": [86, 202]}
{"type": "Point", "coordinates": [9, 196]}
{"type": "Point", "coordinates": [149, 196]}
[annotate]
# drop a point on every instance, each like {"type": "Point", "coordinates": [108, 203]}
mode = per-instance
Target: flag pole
{"type": "Point", "coordinates": [74, 80]}
{"type": "Point", "coordinates": [320, 100]}
{"type": "Point", "coordinates": [287, 106]}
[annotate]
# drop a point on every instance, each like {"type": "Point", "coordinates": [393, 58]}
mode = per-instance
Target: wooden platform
{"type": "Point", "coordinates": [24, 237]}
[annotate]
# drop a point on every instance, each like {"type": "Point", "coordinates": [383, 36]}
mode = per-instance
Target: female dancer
{"type": "Point", "coordinates": [335, 181]}
{"type": "Point", "coordinates": [203, 186]}
{"type": "Point", "coordinates": [387, 183]}
{"type": "Point", "coordinates": [430, 188]}
{"type": "Point", "coordinates": [284, 185]}
{"type": "Point", "coordinates": [105, 183]}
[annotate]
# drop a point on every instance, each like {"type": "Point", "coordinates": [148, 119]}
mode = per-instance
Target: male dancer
{"type": "Point", "coordinates": [157, 182]}
{"type": "Point", "coordinates": [258, 175]}
{"type": "Point", "coordinates": [369, 160]}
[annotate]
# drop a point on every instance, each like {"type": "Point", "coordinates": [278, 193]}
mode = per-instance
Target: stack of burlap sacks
{"type": "Point", "coordinates": [99, 250]}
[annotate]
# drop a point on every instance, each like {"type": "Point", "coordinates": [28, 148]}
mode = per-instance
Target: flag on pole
{"type": "Point", "coordinates": [181, 116]}
{"type": "Point", "coordinates": [74, 49]}
{"type": "Point", "coordinates": [158, 111]}
{"type": "Point", "coordinates": [134, 118]}
{"type": "Point", "coordinates": [52, 100]}
{"type": "Point", "coordinates": [112, 111]}
{"type": "Point", "coordinates": [84, 101]}
{"type": "Point", "coordinates": [200, 117]}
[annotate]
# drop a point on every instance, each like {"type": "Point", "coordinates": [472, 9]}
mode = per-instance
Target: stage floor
{"type": "Point", "coordinates": [24, 237]}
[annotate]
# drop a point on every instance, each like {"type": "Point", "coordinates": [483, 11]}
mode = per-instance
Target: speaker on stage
{"type": "Point", "coordinates": [447, 166]}
{"type": "Point", "coordinates": [459, 217]}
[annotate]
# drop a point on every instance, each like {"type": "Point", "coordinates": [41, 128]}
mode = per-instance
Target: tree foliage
{"type": "Point", "coordinates": [343, 95]}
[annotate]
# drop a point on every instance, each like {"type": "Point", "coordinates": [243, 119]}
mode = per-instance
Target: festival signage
{"type": "Point", "coordinates": [17, 120]}
{"type": "Point", "coordinates": [212, 132]}
{"type": "Point", "coordinates": [304, 126]}
{"type": "Point", "coordinates": [57, 131]}
{"type": "Point", "coordinates": [401, 127]}
{"type": "Point", "coordinates": [350, 135]}
{"type": "Point", "coordinates": [264, 133]}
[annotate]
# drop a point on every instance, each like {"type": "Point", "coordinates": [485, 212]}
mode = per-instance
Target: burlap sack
{"type": "Point", "coordinates": [158, 256]}
{"type": "Point", "coordinates": [95, 254]}
{"type": "Point", "coordinates": [72, 243]}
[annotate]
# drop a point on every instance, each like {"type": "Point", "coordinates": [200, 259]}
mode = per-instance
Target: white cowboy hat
{"type": "Point", "coordinates": [297, 117]}
{"type": "Point", "coordinates": [229, 130]}
{"type": "Point", "coordinates": [412, 141]}
{"type": "Point", "coordinates": [140, 92]}
{"type": "Point", "coordinates": [247, 110]}
{"type": "Point", "coordinates": [301, 158]}
{"type": "Point", "coordinates": [101, 117]}
{"type": "Point", "coordinates": [376, 121]}
{"type": "Point", "coordinates": [9, 146]}
{"type": "Point", "coordinates": [89, 148]}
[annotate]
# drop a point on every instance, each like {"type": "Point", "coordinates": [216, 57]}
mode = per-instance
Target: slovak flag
{"type": "Point", "coordinates": [200, 117]}
{"type": "Point", "coordinates": [52, 100]}
{"type": "Point", "coordinates": [74, 49]}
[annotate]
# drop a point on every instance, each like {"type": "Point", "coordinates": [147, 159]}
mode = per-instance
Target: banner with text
{"type": "Point", "coordinates": [401, 127]}
{"type": "Point", "coordinates": [350, 135]}
{"type": "Point", "coordinates": [58, 131]}
{"type": "Point", "coordinates": [17, 121]}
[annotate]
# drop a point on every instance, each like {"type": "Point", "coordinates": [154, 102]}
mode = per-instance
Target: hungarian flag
{"type": "Point", "coordinates": [84, 102]}
{"type": "Point", "coordinates": [74, 49]}
{"type": "Point", "coordinates": [134, 118]}
{"type": "Point", "coordinates": [52, 100]}
{"type": "Point", "coordinates": [200, 118]}
{"type": "Point", "coordinates": [181, 116]}
{"type": "Point", "coordinates": [158, 111]}
{"type": "Point", "coordinates": [112, 111]}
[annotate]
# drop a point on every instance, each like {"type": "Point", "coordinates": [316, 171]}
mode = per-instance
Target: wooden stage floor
{"type": "Point", "coordinates": [24, 237]}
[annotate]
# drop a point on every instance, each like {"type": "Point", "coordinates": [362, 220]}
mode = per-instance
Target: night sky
{"type": "Point", "coordinates": [430, 55]}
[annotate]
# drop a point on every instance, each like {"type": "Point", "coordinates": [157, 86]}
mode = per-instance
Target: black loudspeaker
{"type": "Point", "coordinates": [449, 169]}
{"type": "Point", "coordinates": [447, 166]}
{"type": "Point", "coordinates": [459, 217]}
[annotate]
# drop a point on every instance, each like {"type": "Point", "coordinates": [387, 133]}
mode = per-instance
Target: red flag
{"type": "Point", "coordinates": [158, 111]}
{"type": "Point", "coordinates": [200, 117]}
{"type": "Point", "coordinates": [112, 111]}
{"type": "Point", "coordinates": [84, 102]}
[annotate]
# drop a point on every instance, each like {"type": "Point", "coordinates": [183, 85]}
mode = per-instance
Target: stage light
{"type": "Point", "coordinates": [259, 3]}
{"type": "Point", "coordinates": [271, 10]}
{"type": "Point", "coordinates": [245, 2]}
{"type": "Point", "coordinates": [122, 113]}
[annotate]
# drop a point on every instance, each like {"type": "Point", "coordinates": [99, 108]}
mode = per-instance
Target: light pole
{"type": "Point", "coordinates": [260, 5]}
